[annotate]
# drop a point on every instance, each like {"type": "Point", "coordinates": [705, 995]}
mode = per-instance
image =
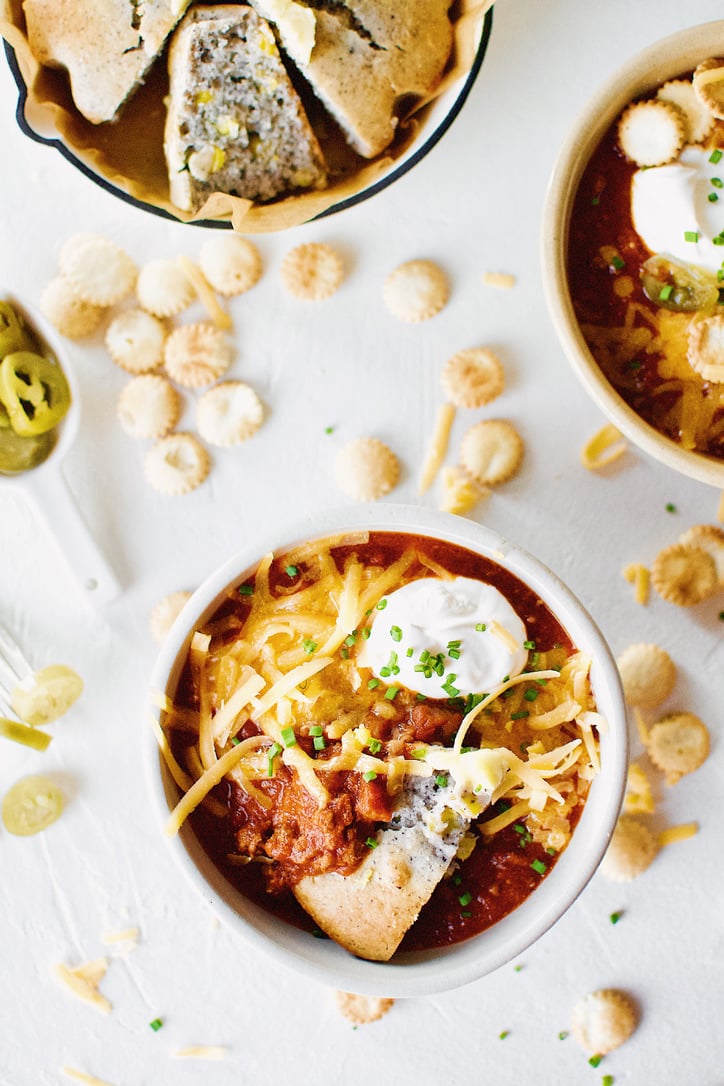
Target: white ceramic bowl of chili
{"type": "Point", "coordinates": [639, 76]}
{"type": "Point", "coordinates": [440, 969]}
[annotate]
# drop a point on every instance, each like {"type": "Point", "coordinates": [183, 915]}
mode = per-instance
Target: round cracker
{"type": "Point", "coordinates": [361, 1009]}
{"type": "Point", "coordinates": [603, 1020]}
{"type": "Point", "coordinates": [648, 674]}
{"type": "Point", "coordinates": [708, 82]}
{"type": "Point", "coordinates": [101, 272]}
{"type": "Point", "coordinates": [165, 613]}
{"type": "Point", "coordinates": [492, 451]}
{"type": "Point", "coordinates": [67, 311]}
{"type": "Point", "coordinates": [163, 288]}
{"type": "Point", "coordinates": [231, 264]}
{"type": "Point", "coordinates": [699, 120]}
{"type": "Point", "coordinates": [631, 850]}
{"type": "Point", "coordinates": [684, 574]}
{"type": "Point", "coordinates": [473, 377]}
{"type": "Point", "coordinates": [312, 272]}
{"type": "Point", "coordinates": [149, 406]}
{"type": "Point", "coordinates": [135, 341]}
{"type": "Point", "coordinates": [678, 744]}
{"type": "Point", "coordinates": [416, 291]}
{"type": "Point", "coordinates": [176, 464]}
{"type": "Point", "coordinates": [709, 538]}
{"type": "Point", "coordinates": [705, 352]}
{"type": "Point", "coordinates": [366, 469]}
{"type": "Point", "coordinates": [197, 354]}
{"type": "Point", "coordinates": [651, 132]}
{"type": "Point", "coordinates": [229, 413]}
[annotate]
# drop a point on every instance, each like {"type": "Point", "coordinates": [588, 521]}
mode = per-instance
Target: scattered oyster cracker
{"type": "Point", "coordinates": [135, 341]}
{"type": "Point", "coordinates": [705, 353]}
{"type": "Point", "coordinates": [231, 263]}
{"type": "Point", "coordinates": [631, 850]}
{"type": "Point", "coordinates": [163, 288]}
{"type": "Point", "coordinates": [312, 272]}
{"type": "Point", "coordinates": [473, 377]}
{"type": "Point", "coordinates": [361, 1009]}
{"type": "Point", "coordinates": [678, 744]}
{"type": "Point", "coordinates": [699, 120]}
{"type": "Point", "coordinates": [648, 674]}
{"type": "Point", "coordinates": [416, 291]}
{"type": "Point", "coordinates": [366, 469]}
{"type": "Point", "coordinates": [492, 451]}
{"type": "Point", "coordinates": [67, 312]}
{"type": "Point", "coordinates": [603, 1020]}
{"type": "Point", "coordinates": [229, 413]}
{"type": "Point", "coordinates": [651, 132]}
{"type": "Point", "coordinates": [709, 538]}
{"type": "Point", "coordinates": [176, 464]}
{"type": "Point", "coordinates": [165, 613]}
{"type": "Point", "coordinates": [197, 354]}
{"type": "Point", "coordinates": [148, 406]}
{"type": "Point", "coordinates": [684, 574]}
{"type": "Point", "coordinates": [708, 81]}
{"type": "Point", "coordinates": [101, 272]}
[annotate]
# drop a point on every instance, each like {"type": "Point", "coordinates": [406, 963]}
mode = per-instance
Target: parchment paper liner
{"type": "Point", "coordinates": [128, 153]}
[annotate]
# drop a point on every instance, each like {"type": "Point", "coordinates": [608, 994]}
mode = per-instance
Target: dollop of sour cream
{"type": "Point", "coordinates": [444, 638]}
{"type": "Point", "coordinates": [670, 207]}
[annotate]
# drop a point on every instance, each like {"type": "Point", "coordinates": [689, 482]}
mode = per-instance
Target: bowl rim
{"type": "Point", "coordinates": [425, 972]}
{"type": "Point", "coordinates": [405, 163]}
{"type": "Point", "coordinates": [643, 71]}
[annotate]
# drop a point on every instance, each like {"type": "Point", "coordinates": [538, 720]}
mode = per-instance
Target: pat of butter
{"type": "Point", "coordinates": [295, 23]}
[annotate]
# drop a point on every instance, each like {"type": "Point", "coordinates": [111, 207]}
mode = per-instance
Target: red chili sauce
{"type": "Point", "coordinates": [492, 882]}
{"type": "Point", "coordinates": [601, 217]}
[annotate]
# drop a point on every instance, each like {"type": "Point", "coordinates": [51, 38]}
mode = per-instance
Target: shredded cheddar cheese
{"type": "Point", "coordinates": [607, 445]}
{"type": "Point", "coordinates": [438, 446]}
{"type": "Point", "coordinates": [678, 833]}
{"type": "Point", "coordinates": [639, 576]}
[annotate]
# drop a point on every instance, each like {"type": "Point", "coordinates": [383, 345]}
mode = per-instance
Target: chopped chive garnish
{"type": "Point", "coordinates": [531, 695]}
{"type": "Point", "coordinates": [395, 633]}
{"type": "Point", "coordinates": [385, 672]}
{"type": "Point", "coordinates": [457, 879]}
{"type": "Point", "coordinates": [409, 652]}
{"type": "Point", "coordinates": [454, 654]}
{"type": "Point", "coordinates": [351, 639]}
{"type": "Point", "coordinates": [716, 156]}
{"type": "Point", "coordinates": [370, 775]}
{"type": "Point", "coordinates": [666, 292]}
{"type": "Point", "coordinates": [551, 851]}
{"type": "Point", "coordinates": [562, 1035]}
{"type": "Point", "coordinates": [320, 742]}
{"type": "Point", "coordinates": [329, 429]}
{"type": "Point", "coordinates": [441, 780]}
{"type": "Point", "coordinates": [595, 201]}
{"type": "Point", "coordinates": [670, 507]}
{"type": "Point", "coordinates": [466, 914]}
{"type": "Point", "coordinates": [375, 746]}
{"type": "Point", "coordinates": [520, 715]}
{"type": "Point", "coordinates": [480, 627]}
{"type": "Point", "coordinates": [235, 741]}
{"type": "Point", "coordinates": [372, 684]}
{"type": "Point", "coordinates": [156, 1025]}
{"type": "Point", "coordinates": [465, 898]}
{"type": "Point", "coordinates": [529, 644]}
{"type": "Point", "coordinates": [423, 697]}
{"type": "Point", "coordinates": [595, 1060]}
{"type": "Point", "coordinates": [615, 917]}
{"type": "Point", "coordinates": [316, 729]}
{"type": "Point", "coordinates": [424, 656]}
{"type": "Point", "coordinates": [453, 645]}
{"type": "Point", "coordinates": [289, 739]}
{"type": "Point", "coordinates": [607, 1080]}
{"type": "Point", "coordinates": [503, 1034]}
{"type": "Point", "coordinates": [274, 749]}
{"type": "Point", "coordinates": [371, 842]}
{"type": "Point", "coordinates": [712, 197]}
{"type": "Point", "coordinates": [517, 968]}
{"type": "Point", "coordinates": [539, 867]}
{"type": "Point", "coordinates": [618, 263]}
{"type": "Point", "coordinates": [381, 605]}
{"type": "Point", "coordinates": [419, 753]}
{"type": "Point", "coordinates": [391, 693]}
{"type": "Point", "coordinates": [366, 631]}
{"type": "Point", "coordinates": [691, 235]}
{"type": "Point", "coordinates": [291, 571]}
{"type": "Point", "coordinates": [717, 182]}
{"type": "Point", "coordinates": [246, 590]}
{"type": "Point", "coordinates": [450, 690]}
{"type": "Point", "coordinates": [344, 653]}
{"type": "Point", "coordinates": [309, 646]}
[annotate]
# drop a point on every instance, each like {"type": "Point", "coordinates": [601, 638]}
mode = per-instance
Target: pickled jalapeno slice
{"type": "Point", "coordinates": [34, 392]}
{"type": "Point", "coordinates": [14, 336]}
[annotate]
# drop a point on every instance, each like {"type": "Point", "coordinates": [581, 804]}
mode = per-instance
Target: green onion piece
{"type": "Point", "coordinates": [666, 292]}
{"type": "Point", "coordinates": [381, 605]}
{"type": "Point", "coordinates": [291, 571]}
{"type": "Point", "coordinates": [344, 653]}
{"type": "Point", "coordinates": [441, 780]}
{"type": "Point", "coordinates": [274, 749]}
{"type": "Point", "coordinates": [529, 644]}
{"type": "Point", "coordinates": [329, 429]}
{"type": "Point", "coordinates": [366, 631]}
{"type": "Point", "coordinates": [615, 917]}
{"type": "Point", "coordinates": [419, 753]}
{"type": "Point", "coordinates": [454, 654]}
{"type": "Point", "coordinates": [156, 1025]}
{"type": "Point", "coordinates": [234, 741]}
{"type": "Point", "coordinates": [424, 656]}
{"type": "Point", "coordinates": [517, 968]}
{"type": "Point", "coordinates": [385, 672]}
{"type": "Point", "coordinates": [288, 737]}
{"type": "Point", "coordinates": [595, 201]}
{"type": "Point", "coordinates": [717, 182]}
{"type": "Point", "coordinates": [465, 898]}
{"type": "Point", "coordinates": [480, 627]}
{"type": "Point", "coordinates": [607, 1080]}
{"type": "Point", "coordinates": [409, 652]}
{"type": "Point", "coordinates": [716, 156]}
{"type": "Point", "coordinates": [246, 590]}
{"type": "Point", "coordinates": [562, 1035]}
{"type": "Point", "coordinates": [466, 914]}
{"type": "Point", "coordinates": [372, 684]}
{"type": "Point", "coordinates": [370, 775]}
{"type": "Point", "coordinates": [320, 742]}
{"type": "Point", "coordinates": [531, 695]}
{"type": "Point", "coordinates": [351, 639]}
{"type": "Point", "coordinates": [618, 263]}
{"type": "Point", "coordinates": [453, 645]}
{"type": "Point", "coordinates": [375, 746]}
{"type": "Point", "coordinates": [712, 198]}
{"type": "Point", "coordinates": [391, 693]}
{"type": "Point", "coordinates": [450, 690]}
{"type": "Point", "coordinates": [395, 633]}
{"type": "Point", "coordinates": [539, 867]}
{"type": "Point", "coordinates": [309, 646]}
{"type": "Point", "coordinates": [316, 729]}
{"type": "Point", "coordinates": [457, 879]}
{"type": "Point", "coordinates": [595, 1060]}
{"type": "Point", "coordinates": [505, 1033]}
{"type": "Point", "coordinates": [520, 715]}
{"type": "Point", "coordinates": [371, 842]}
{"type": "Point", "coordinates": [670, 507]}
{"type": "Point", "coordinates": [691, 235]}
{"type": "Point", "coordinates": [423, 697]}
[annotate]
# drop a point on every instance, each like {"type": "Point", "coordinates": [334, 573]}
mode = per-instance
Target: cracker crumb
{"type": "Point", "coordinates": [416, 291]}
{"type": "Point", "coordinates": [684, 574]}
{"type": "Point", "coordinates": [197, 354]}
{"type": "Point", "coordinates": [312, 272]}
{"type": "Point", "coordinates": [148, 406]}
{"type": "Point", "coordinates": [176, 464]}
{"type": "Point", "coordinates": [361, 1009]}
{"type": "Point", "coordinates": [631, 850]}
{"type": "Point", "coordinates": [603, 1020]}
{"type": "Point", "coordinates": [648, 674]}
{"type": "Point", "coordinates": [229, 413]}
{"type": "Point", "coordinates": [678, 744]}
{"type": "Point", "coordinates": [165, 613]}
{"type": "Point", "coordinates": [67, 311]}
{"type": "Point", "coordinates": [492, 451]}
{"type": "Point", "coordinates": [101, 272]}
{"type": "Point", "coordinates": [366, 469]}
{"type": "Point", "coordinates": [473, 377]}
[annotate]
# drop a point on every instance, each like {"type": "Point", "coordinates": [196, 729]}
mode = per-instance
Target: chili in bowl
{"type": "Point", "coordinates": [392, 748]}
{"type": "Point", "coordinates": [633, 251]}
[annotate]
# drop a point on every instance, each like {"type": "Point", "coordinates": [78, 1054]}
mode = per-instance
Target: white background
{"type": "Point", "coordinates": [474, 205]}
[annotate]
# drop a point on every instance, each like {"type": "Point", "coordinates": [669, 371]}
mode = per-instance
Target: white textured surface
{"type": "Point", "coordinates": [473, 205]}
